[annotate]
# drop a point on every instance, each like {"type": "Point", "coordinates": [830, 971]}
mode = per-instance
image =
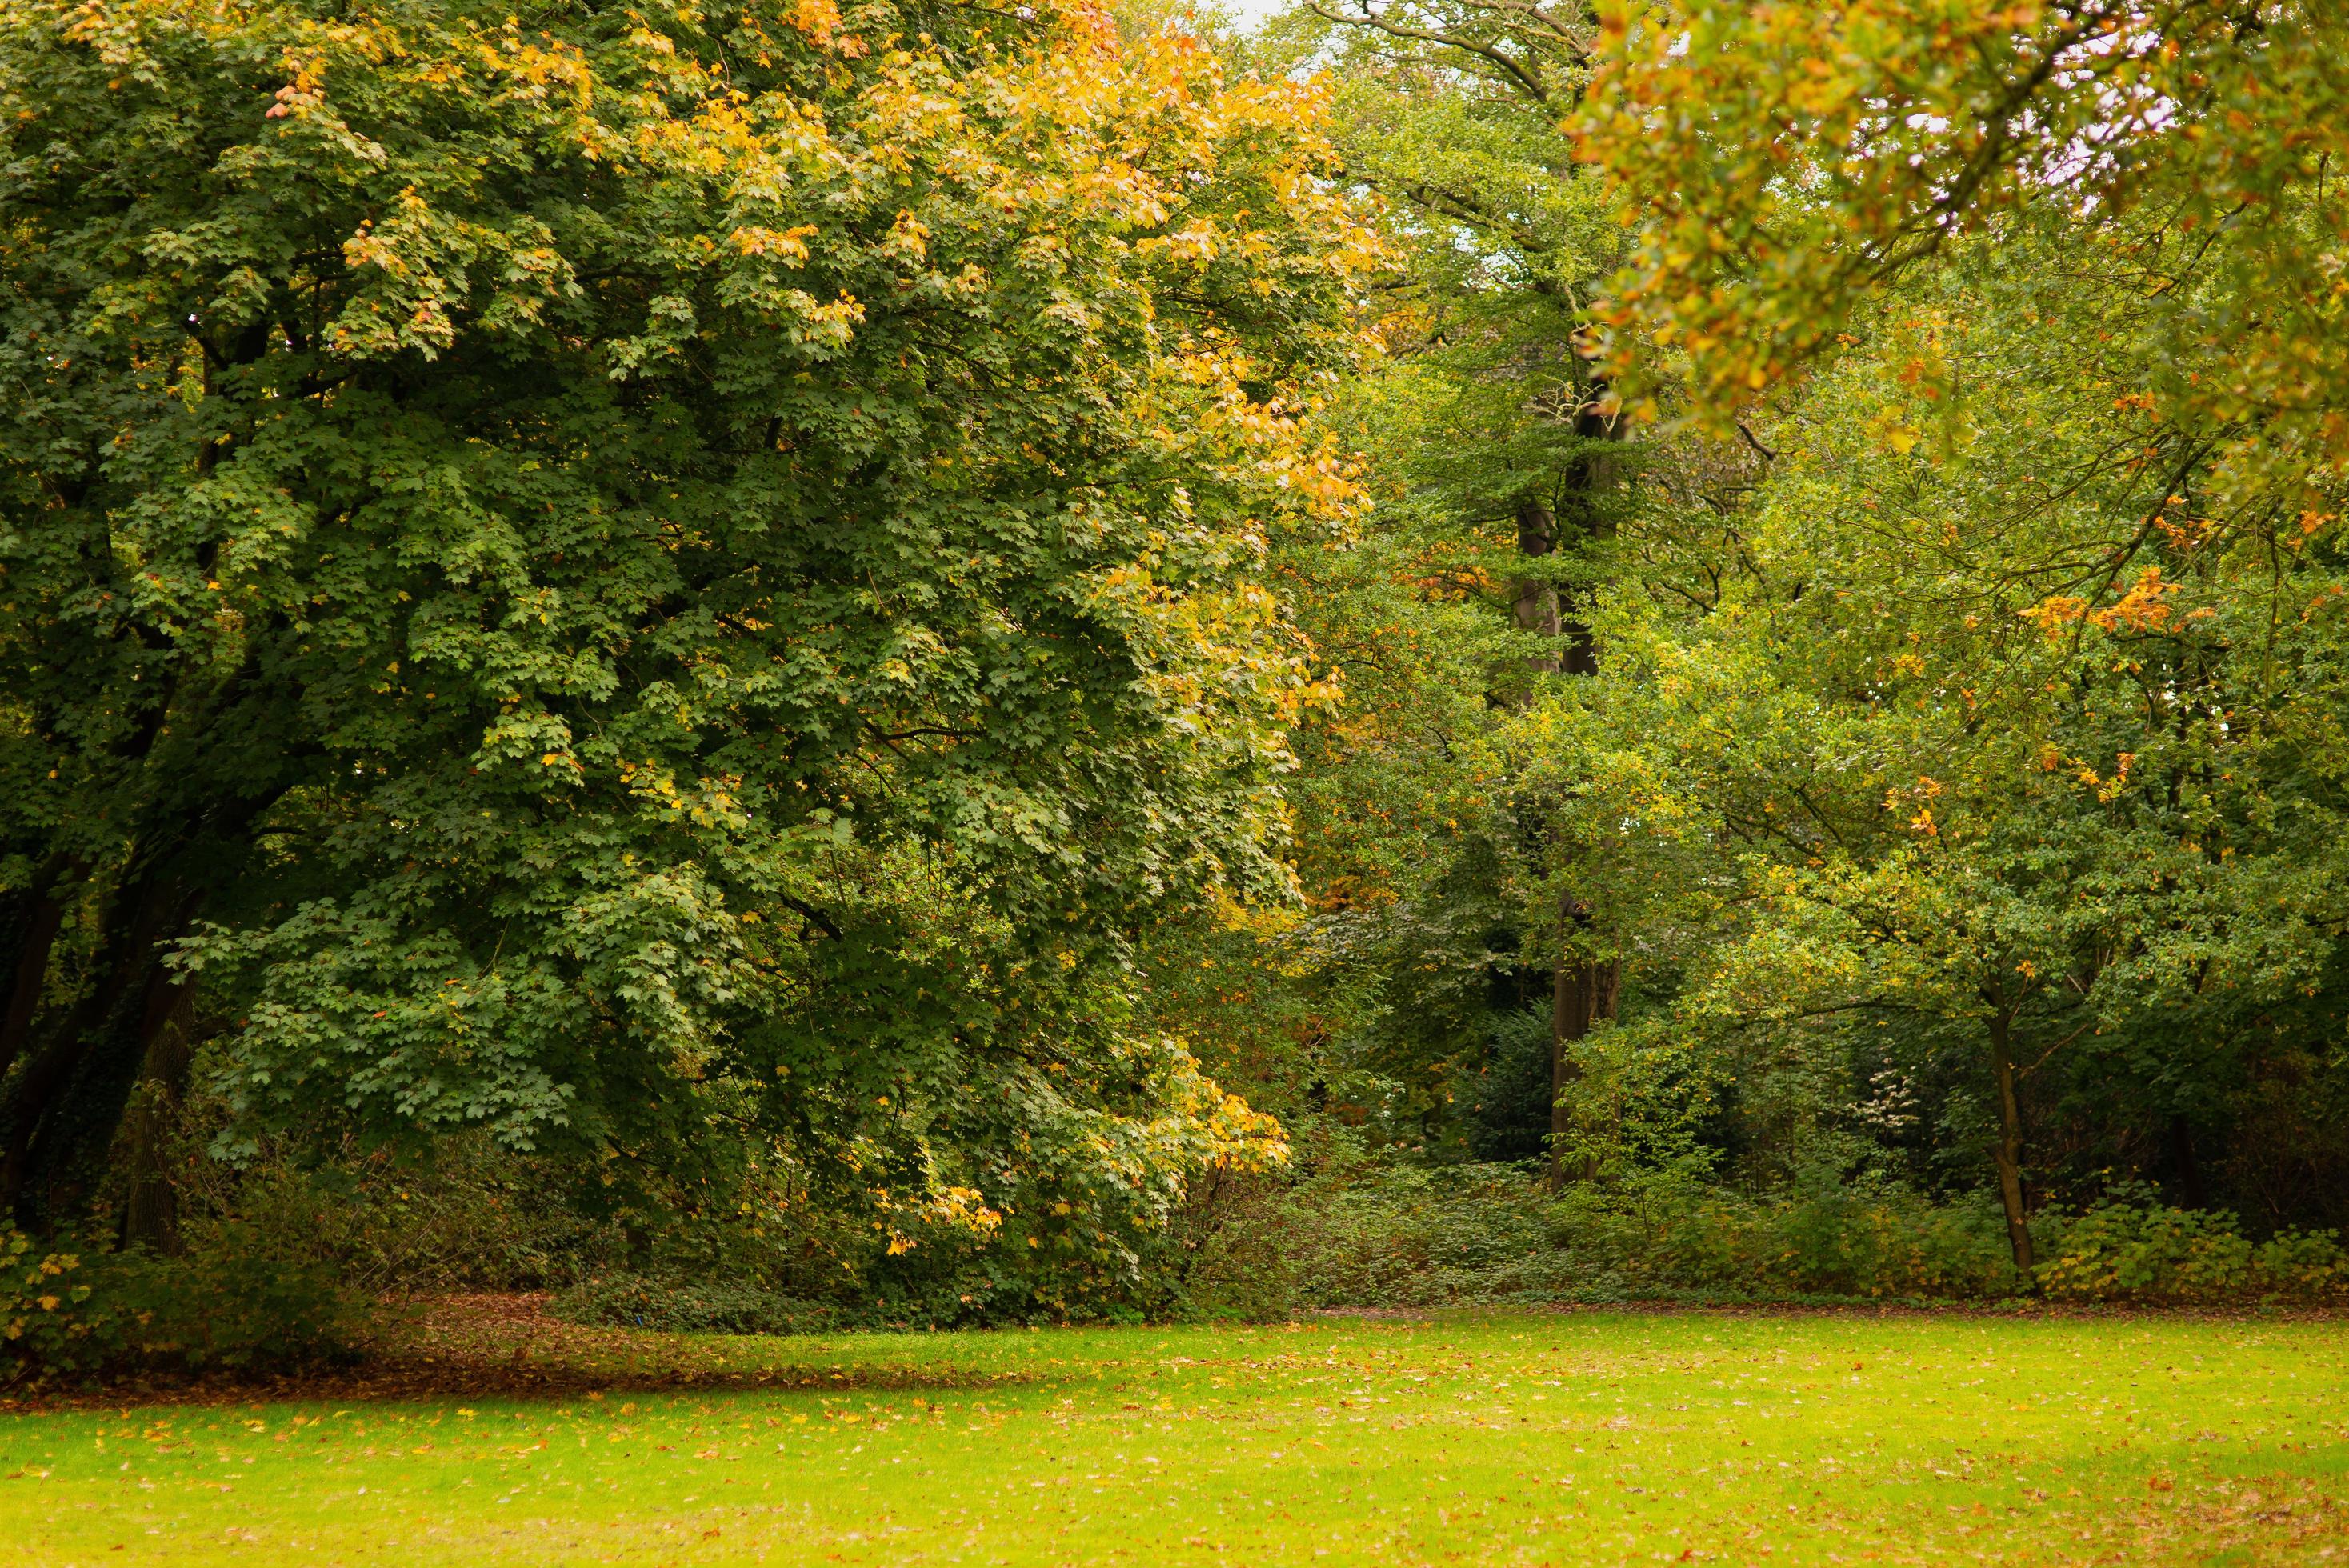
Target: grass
{"type": "Point", "coordinates": [1487, 1438]}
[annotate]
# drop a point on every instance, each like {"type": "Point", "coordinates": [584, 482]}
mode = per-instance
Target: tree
{"type": "Point", "coordinates": [1974, 792]}
{"type": "Point", "coordinates": [1457, 112]}
{"type": "Point", "coordinates": [2134, 422]}
{"type": "Point", "coordinates": [1800, 158]}
{"type": "Point", "coordinates": [606, 578]}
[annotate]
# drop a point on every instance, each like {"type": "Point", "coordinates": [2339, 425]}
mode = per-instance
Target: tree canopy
{"type": "Point", "coordinates": [587, 576]}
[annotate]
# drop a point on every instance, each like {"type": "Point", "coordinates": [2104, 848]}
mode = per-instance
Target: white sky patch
{"type": "Point", "coordinates": [1249, 14]}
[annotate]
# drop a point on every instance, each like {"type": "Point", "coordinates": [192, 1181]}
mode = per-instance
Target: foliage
{"type": "Point", "coordinates": [1470, 1235]}
{"type": "Point", "coordinates": [236, 1301]}
{"type": "Point", "coordinates": [461, 1215]}
{"type": "Point", "coordinates": [644, 586]}
{"type": "Point", "coordinates": [50, 1321]}
{"type": "Point", "coordinates": [233, 1302]}
{"type": "Point", "coordinates": [930, 666]}
{"type": "Point", "coordinates": [1793, 158]}
{"type": "Point", "coordinates": [709, 1306]}
{"type": "Point", "coordinates": [1429, 1235]}
{"type": "Point", "coordinates": [1824, 1238]}
{"type": "Point", "coordinates": [1455, 1235]}
{"type": "Point", "coordinates": [2031, 553]}
{"type": "Point", "coordinates": [1455, 112]}
{"type": "Point", "coordinates": [2005, 727]}
{"type": "Point", "coordinates": [1959, 780]}
{"type": "Point", "coordinates": [736, 1243]}
{"type": "Point", "coordinates": [491, 1223]}
{"type": "Point", "coordinates": [1429, 932]}
{"type": "Point", "coordinates": [2142, 1251]}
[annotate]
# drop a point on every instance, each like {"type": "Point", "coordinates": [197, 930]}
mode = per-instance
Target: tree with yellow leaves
{"type": "Point", "coordinates": [618, 574]}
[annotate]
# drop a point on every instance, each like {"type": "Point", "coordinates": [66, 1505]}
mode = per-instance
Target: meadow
{"type": "Point", "coordinates": [1485, 1439]}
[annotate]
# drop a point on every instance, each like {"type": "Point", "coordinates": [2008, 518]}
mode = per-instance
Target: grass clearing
{"type": "Point", "coordinates": [1485, 1439]}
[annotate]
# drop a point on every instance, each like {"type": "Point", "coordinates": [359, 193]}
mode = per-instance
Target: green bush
{"type": "Point", "coordinates": [2130, 1250]}
{"type": "Point", "coordinates": [2301, 1265]}
{"type": "Point", "coordinates": [51, 1316]}
{"type": "Point", "coordinates": [1865, 1240]}
{"type": "Point", "coordinates": [230, 1303]}
{"type": "Point", "coordinates": [637, 1301]}
{"type": "Point", "coordinates": [1226, 1256]}
{"type": "Point", "coordinates": [236, 1301]}
{"type": "Point", "coordinates": [1428, 1236]}
{"type": "Point", "coordinates": [467, 1217]}
{"type": "Point", "coordinates": [1491, 1234]}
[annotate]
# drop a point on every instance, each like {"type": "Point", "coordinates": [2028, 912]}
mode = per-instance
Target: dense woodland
{"type": "Point", "coordinates": [916, 663]}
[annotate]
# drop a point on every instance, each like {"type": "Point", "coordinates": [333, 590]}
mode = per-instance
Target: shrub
{"type": "Point", "coordinates": [1489, 1234]}
{"type": "Point", "coordinates": [51, 1319]}
{"type": "Point", "coordinates": [229, 1304]}
{"type": "Point", "coordinates": [1225, 1253]}
{"type": "Point", "coordinates": [1871, 1240]}
{"type": "Point", "coordinates": [2128, 1249]}
{"type": "Point", "coordinates": [468, 1216]}
{"type": "Point", "coordinates": [2302, 1266]}
{"type": "Point", "coordinates": [638, 1301]}
{"type": "Point", "coordinates": [1430, 1235]}
{"type": "Point", "coordinates": [236, 1301]}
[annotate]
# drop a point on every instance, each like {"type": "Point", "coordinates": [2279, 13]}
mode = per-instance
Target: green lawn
{"type": "Point", "coordinates": [1491, 1438]}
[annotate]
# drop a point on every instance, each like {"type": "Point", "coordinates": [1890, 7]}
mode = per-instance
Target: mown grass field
{"type": "Point", "coordinates": [1492, 1439]}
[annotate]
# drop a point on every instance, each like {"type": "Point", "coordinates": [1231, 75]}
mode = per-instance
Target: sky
{"type": "Point", "coordinates": [1248, 12]}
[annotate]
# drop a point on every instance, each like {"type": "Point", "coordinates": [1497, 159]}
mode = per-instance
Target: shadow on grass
{"type": "Point", "coordinates": [510, 1348]}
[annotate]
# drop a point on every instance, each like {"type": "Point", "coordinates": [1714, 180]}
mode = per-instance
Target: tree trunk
{"type": "Point", "coordinates": [1582, 993]}
{"type": "Point", "coordinates": [150, 1210]}
{"type": "Point", "coordinates": [1593, 478]}
{"type": "Point", "coordinates": [76, 1072]}
{"type": "Point", "coordinates": [1534, 599]}
{"type": "Point", "coordinates": [43, 911]}
{"type": "Point", "coordinates": [2190, 1170]}
{"type": "Point", "coordinates": [2010, 1142]}
{"type": "Point", "coordinates": [67, 1102]}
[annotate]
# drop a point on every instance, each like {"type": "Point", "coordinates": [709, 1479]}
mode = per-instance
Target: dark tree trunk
{"type": "Point", "coordinates": [150, 1210]}
{"type": "Point", "coordinates": [1584, 991]}
{"type": "Point", "coordinates": [1583, 994]}
{"type": "Point", "coordinates": [1534, 599]}
{"type": "Point", "coordinates": [2009, 1141]}
{"type": "Point", "coordinates": [77, 1068]}
{"type": "Point", "coordinates": [67, 1102]}
{"type": "Point", "coordinates": [40, 911]}
{"type": "Point", "coordinates": [2190, 1170]}
{"type": "Point", "coordinates": [1594, 476]}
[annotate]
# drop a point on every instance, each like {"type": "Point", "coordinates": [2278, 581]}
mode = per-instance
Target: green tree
{"type": "Point", "coordinates": [644, 573]}
{"type": "Point", "coordinates": [1493, 432]}
{"type": "Point", "coordinates": [1936, 792]}
{"type": "Point", "coordinates": [2019, 696]}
